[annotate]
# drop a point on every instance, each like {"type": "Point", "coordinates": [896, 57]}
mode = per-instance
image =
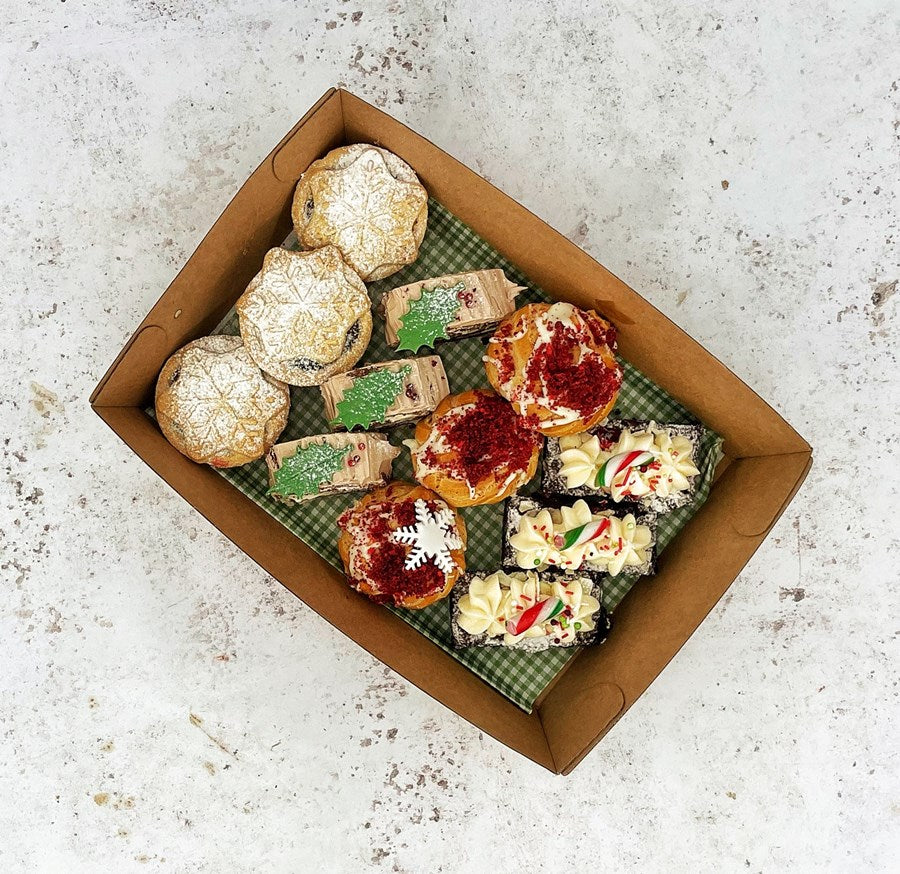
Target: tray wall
{"type": "Point", "coordinates": [767, 459]}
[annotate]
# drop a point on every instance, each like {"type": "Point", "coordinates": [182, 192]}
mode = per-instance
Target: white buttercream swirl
{"type": "Point", "coordinates": [624, 543]}
{"type": "Point", "coordinates": [582, 456]}
{"type": "Point", "coordinates": [491, 601]}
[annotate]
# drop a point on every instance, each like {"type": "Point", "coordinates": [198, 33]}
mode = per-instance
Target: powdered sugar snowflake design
{"type": "Point", "coordinates": [433, 536]}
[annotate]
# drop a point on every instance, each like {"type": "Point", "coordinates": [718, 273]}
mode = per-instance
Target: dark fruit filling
{"type": "Point", "coordinates": [311, 366]}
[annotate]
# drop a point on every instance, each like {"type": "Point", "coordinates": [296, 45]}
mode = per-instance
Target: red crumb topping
{"type": "Point", "coordinates": [572, 376]}
{"type": "Point", "coordinates": [601, 331]}
{"type": "Point", "coordinates": [503, 359]}
{"type": "Point", "coordinates": [487, 439]}
{"type": "Point", "coordinates": [383, 563]}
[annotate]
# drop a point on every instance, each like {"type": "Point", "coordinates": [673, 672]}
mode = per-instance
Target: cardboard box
{"type": "Point", "coordinates": [765, 463]}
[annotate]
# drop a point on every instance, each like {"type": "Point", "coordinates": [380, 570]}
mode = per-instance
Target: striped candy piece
{"type": "Point", "coordinates": [612, 467]}
{"type": "Point", "coordinates": [582, 534]}
{"type": "Point", "coordinates": [540, 612]}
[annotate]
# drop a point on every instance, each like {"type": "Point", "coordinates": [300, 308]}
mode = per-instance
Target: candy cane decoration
{"type": "Point", "coordinates": [612, 467]}
{"type": "Point", "coordinates": [582, 534]}
{"type": "Point", "coordinates": [541, 612]}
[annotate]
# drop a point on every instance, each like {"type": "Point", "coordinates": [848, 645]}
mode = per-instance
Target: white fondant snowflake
{"type": "Point", "coordinates": [433, 536]}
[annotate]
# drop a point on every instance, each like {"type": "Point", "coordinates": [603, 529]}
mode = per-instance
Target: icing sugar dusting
{"type": "Point", "coordinates": [300, 305]}
{"type": "Point", "coordinates": [221, 401]}
{"type": "Point", "coordinates": [367, 212]}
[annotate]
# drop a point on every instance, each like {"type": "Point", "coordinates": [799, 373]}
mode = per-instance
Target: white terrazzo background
{"type": "Point", "coordinates": [165, 706]}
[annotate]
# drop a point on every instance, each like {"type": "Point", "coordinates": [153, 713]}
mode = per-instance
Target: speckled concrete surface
{"type": "Point", "coordinates": [165, 706]}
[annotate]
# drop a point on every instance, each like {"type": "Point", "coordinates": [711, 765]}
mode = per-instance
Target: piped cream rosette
{"type": "Point", "coordinates": [494, 602]}
{"type": "Point", "coordinates": [572, 537]}
{"type": "Point", "coordinates": [585, 463]}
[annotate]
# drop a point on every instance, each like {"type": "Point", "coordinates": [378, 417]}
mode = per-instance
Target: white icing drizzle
{"type": "Point", "coordinates": [436, 442]}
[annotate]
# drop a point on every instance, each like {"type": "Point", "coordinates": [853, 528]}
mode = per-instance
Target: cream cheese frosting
{"type": "Point", "coordinates": [494, 600]}
{"type": "Point", "coordinates": [620, 542]}
{"type": "Point", "coordinates": [582, 456]}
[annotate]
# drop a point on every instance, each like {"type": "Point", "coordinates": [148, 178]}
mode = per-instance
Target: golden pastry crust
{"type": "Point", "coordinates": [556, 365]}
{"type": "Point", "coordinates": [215, 405]}
{"type": "Point", "coordinates": [305, 316]}
{"type": "Point", "coordinates": [367, 202]}
{"type": "Point", "coordinates": [474, 449]}
{"type": "Point", "coordinates": [392, 505]}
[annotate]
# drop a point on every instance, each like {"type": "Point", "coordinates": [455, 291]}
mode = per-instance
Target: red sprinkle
{"type": "Point", "coordinates": [467, 296]}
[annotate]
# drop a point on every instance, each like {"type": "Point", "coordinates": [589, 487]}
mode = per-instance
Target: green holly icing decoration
{"type": "Point", "coordinates": [428, 317]}
{"type": "Point", "coordinates": [308, 468]}
{"type": "Point", "coordinates": [368, 399]}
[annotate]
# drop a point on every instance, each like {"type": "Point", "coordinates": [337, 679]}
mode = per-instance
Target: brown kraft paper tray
{"type": "Point", "coordinates": [765, 459]}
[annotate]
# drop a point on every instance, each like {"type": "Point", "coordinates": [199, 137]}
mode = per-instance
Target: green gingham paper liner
{"type": "Point", "coordinates": [450, 246]}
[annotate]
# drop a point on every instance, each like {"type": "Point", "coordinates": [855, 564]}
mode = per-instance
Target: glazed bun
{"type": "Point", "coordinates": [556, 365]}
{"type": "Point", "coordinates": [474, 449]}
{"type": "Point", "coordinates": [402, 545]}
